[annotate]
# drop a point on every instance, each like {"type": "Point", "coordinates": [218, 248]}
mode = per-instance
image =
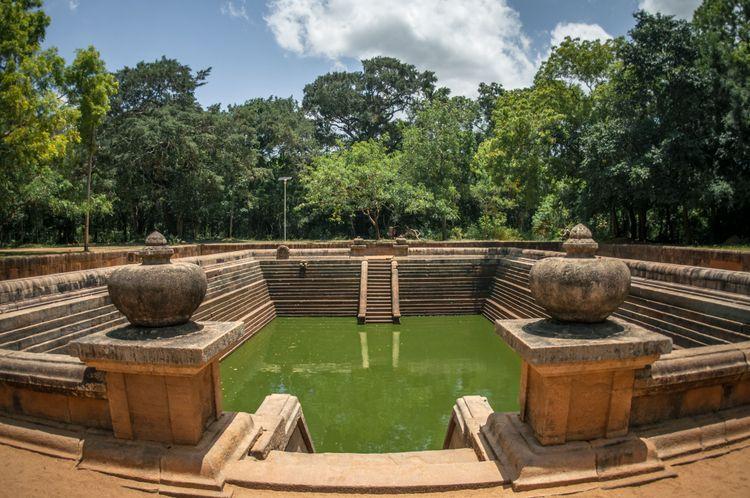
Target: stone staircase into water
{"type": "Point", "coordinates": [236, 291]}
{"type": "Point", "coordinates": [691, 316]}
{"type": "Point", "coordinates": [379, 300]}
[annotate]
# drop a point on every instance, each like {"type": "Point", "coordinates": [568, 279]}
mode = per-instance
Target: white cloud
{"type": "Point", "coordinates": [679, 8]}
{"type": "Point", "coordinates": [234, 8]}
{"type": "Point", "coordinates": [577, 30]}
{"type": "Point", "coordinates": [465, 42]}
{"type": "Point", "coordinates": [72, 4]}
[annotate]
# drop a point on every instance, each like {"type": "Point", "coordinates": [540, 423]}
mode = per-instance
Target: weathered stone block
{"type": "Point", "coordinates": [577, 385]}
{"type": "Point", "coordinates": [162, 384]}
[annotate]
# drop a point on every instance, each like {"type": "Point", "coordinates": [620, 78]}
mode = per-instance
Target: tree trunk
{"type": "Point", "coordinates": [642, 224]}
{"type": "Point", "coordinates": [88, 200]}
{"type": "Point", "coordinates": [374, 221]}
{"type": "Point", "coordinates": [687, 229]}
{"type": "Point", "coordinates": [231, 220]}
{"type": "Point", "coordinates": [632, 223]}
{"type": "Point", "coordinates": [614, 229]}
{"type": "Point", "coordinates": [445, 229]}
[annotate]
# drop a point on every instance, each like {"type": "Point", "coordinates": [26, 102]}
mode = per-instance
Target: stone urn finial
{"type": "Point", "coordinates": [580, 287]}
{"type": "Point", "coordinates": [157, 293]}
{"type": "Point", "coordinates": [579, 243]}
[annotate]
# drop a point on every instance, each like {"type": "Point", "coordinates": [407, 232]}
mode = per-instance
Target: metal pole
{"type": "Point", "coordinates": [285, 179]}
{"type": "Point", "coordinates": [284, 210]}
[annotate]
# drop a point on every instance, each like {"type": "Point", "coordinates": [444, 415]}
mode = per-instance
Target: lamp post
{"type": "Point", "coordinates": [285, 179]}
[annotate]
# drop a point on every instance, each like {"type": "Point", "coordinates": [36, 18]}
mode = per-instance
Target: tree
{"type": "Point", "coordinates": [361, 179]}
{"type": "Point", "coordinates": [35, 123]}
{"type": "Point", "coordinates": [653, 137]}
{"type": "Point", "coordinates": [150, 85]}
{"type": "Point", "coordinates": [530, 143]}
{"type": "Point", "coordinates": [486, 100]}
{"type": "Point", "coordinates": [437, 151]}
{"type": "Point", "coordinates": [363, 105]}
{"type": "Point", "coordinates": [91, 88]}
{"type": "Point", "coordinates": [588, 62]}
{"type": "Point", "coordinates": [285, 141]}
{"type": "Point", "coordinates": [723, 35]}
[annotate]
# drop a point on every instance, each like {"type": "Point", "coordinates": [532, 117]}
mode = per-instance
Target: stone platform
{"type": "Point", "coordinates": [162, 384]}
{"type": "Point", "coordinates": [577, 379]}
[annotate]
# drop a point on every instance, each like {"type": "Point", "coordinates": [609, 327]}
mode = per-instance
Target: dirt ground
{"type": "Point", "coordinates": [27, 474]}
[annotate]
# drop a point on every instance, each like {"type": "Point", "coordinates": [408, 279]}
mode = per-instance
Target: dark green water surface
{"type": "Point", "coordinates": [374, 388]}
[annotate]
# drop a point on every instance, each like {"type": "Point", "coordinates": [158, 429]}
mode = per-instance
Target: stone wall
{"type": "Point", "coordinates": [444, 285]}
{"type": "Point", "coordinates": [691, 316]}
{"type": "Point", "coordinates": [315, 287]}
{"type": "Point", "coordinates": [723, 259]}
{"type": "Point", "coordinates": [48, 312]}
{"type": "Point", "coordinates": [53, 387]}
{"type": "Point", "coordinates": [692, 382]}
{"type": "Point", "coordinates": [12, 267]}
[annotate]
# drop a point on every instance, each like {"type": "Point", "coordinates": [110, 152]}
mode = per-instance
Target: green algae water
{"type": "Point", "coordinates": [374, 388]}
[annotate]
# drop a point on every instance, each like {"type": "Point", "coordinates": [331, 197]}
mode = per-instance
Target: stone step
{"type": "Point", "coordinates": [30, 316]}
{"type": "Point", "coordinates": [30, 330]}
{"type": "Point", "coordinates": [63, 340]}
{"type": "Point", "coordinates": [360, 473]}
{"type": "Point", "coordinates": [667, 328]}
{"type": "Point", "coordinates": [29, 341]}
{"type": "Point", "coordinates": [678, 320]}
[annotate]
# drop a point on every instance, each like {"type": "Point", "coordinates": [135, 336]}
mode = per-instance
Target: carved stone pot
{"type": "Point", "coordinates": [580, 287]}
{"type": "Point", "coordinates": [157, 293]}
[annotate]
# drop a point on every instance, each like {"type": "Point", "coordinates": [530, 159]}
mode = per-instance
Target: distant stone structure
{"type": "Point", "coordinates": [282, 252]}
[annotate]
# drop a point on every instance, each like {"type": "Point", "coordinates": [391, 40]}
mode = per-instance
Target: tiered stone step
{"type": "Point", "coordinates": [444, 286]}
{"type": "Point", "coordinates": [408, 472]}
{"type": "Point", "coordinates": [379, 305]}
{"type": "Point", "coordinates": [315, 287]}
{"type": "Point", "coordinates": [691, 316]}
{"type": "Point", "coordinates": [236, 291]}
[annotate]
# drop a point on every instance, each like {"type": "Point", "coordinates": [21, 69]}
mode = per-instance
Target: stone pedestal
{"type": "Point", "coordinates": [577, 379]}
{"type": "Point", "coordinates": [162, 383]}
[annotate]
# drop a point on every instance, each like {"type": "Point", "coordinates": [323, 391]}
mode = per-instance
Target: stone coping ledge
{"type": "Point", "coordinates": [543, 341]}
{"type": "Point", "coordinates": [43, 287]}
{"type": "Point", "coordinates": [689, 366]}
{"type": "Point", "coordinates": [189, 345]}
{"type": "Point", "coordinates": [51, 372]}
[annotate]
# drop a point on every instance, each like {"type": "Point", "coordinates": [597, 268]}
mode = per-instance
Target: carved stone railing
{"type": "Point", "coordinates": [362, 313]}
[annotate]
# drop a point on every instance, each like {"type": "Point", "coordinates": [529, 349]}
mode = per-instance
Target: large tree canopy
{"type": "Point", "coordinates": [642, 137]}
{"type": "Point", "coordinates": [363, 105]}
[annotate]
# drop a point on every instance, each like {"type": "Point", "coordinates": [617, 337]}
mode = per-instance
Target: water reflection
{"type": "Point", "coordinates": [378, 387]}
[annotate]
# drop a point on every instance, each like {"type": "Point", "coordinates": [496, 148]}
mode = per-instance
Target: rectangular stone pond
{"type": "Point", "coordinates": [374, 388]}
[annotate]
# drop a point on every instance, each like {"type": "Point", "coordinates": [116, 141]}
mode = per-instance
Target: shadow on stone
{"type": "Point", "coordinates": [132, 333]}
{"type": "Point", "coordinates": [568, 330]}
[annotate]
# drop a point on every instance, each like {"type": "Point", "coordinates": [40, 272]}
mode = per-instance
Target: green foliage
{"type": "Point", "coordinates": [642, 137]}
{"type": "Point", "coordinates": [35, 123]}
{"type": "Point", "coordinates": [437, 150]}
{"type": "Point", "coordinates": [90, 89]}
{"type": "Point", "coordinates": [363, 105]}
{"type": "Point", "coordinates": [363, 178]}
{"type": "Point", "coordinates": [551, 219]}
{"type": "Point", "coordinates": [529, 144]}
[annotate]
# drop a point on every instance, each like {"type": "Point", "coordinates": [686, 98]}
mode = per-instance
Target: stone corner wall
{"type": "Point", "coordinates": [692, 382]}
{"type": "Point", "coordinates": [53, 387]}
{"type": "Point", "coordinates": [722, 259]}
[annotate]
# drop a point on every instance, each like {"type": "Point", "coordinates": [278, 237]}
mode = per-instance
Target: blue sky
{"type": "Point", "coordinates": [259, 48]}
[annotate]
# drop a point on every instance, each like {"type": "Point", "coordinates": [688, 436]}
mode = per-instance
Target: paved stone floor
{"type": "Point", "coordinates": [27, 474]}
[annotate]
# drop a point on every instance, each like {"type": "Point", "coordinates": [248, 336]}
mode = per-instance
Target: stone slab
{"type": "Point", "coordinates": [548, 342]}
{"type": "Point", "coordinates": [189, 345]}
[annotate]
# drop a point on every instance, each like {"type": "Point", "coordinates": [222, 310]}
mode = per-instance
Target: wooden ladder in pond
{"type": "Point", "coordinates": [380, 292]}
